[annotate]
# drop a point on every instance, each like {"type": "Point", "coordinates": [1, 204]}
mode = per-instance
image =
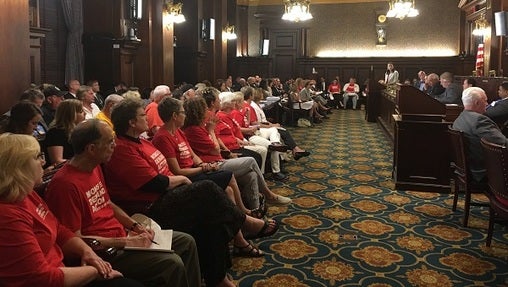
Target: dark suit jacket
{"type": "Point", "coordinates": [69, 96]}
{"type": "Point", "coordinates": [436, 90]}
{"type": "Point", "coordinates": [451, 95]}
{"type": "Point", "coordinates": [499, 112]}
{"type": "Point", "coordinates": [475, 127]}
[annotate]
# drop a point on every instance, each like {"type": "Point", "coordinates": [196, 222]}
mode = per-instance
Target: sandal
{"type": "Point", "coordinates": [258, 212]}
{"type": "Point", "coordinates": [269, 228]}
{"type": "Point", "coordinates": [249, 250]}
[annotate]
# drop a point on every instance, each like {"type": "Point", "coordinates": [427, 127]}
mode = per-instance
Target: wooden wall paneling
{"type": "Point", "coordinates": [15, 72]}
{"type": "Point", "coordinates": [362, 74]}
{"type": "Point", "coordinates": [54, 44]}
{"type": "Point", "coordinates": [189, 44]}
{"type": "Point", "coordinates": [348, 72]}
{"type": "Point", "coordinates": [102, 60]}
{"type": "Point", "coordinates": [145, 71]}
{"type": "Point", "coordinates": [284, 65]}
{"type": "Point", "coordinates": [331, 73]}
{"type": "Point", "coordinates": [37, 36]}
{"type": "Point", "coordinates": [128, 53]}
{"type": "Point", "coordinates": [101, 16]}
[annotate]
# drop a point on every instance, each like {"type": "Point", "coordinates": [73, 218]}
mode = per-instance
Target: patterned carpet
{"type": "Point", "coordinates": [347, 226]}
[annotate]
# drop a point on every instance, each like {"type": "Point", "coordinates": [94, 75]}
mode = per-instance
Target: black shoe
{"type": "Point", "coordinates": [300, 154]}
{"type": "Point", "coordinates": [279, 176]}
{"type": "Point", "coordinates": [318, 121]}
{"type": "Point", "coordinates": [278, 147]}
{"type": "Point", "coordinates": [326, 117]}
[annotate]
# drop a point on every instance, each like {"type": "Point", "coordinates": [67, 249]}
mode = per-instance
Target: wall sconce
{"type": "Point", "coordinates": [229, 32]}
{"type": "Point", "coordinates": [172, 13]}
{"type": "Point", "coordinates": [481, 27]}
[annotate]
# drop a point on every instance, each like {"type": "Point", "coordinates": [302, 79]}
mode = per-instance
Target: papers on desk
{"type": "Point", "coordinates": [163, 238]}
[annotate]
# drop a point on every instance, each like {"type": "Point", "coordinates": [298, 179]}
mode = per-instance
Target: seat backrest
{"type": "Point", "coordinates": [46, 178]}
{"type": "Point", "coordinates": [496, 162]}
{"type": "Point", "coordinates": [458, 147]}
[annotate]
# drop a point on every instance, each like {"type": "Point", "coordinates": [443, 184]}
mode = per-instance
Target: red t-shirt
{"type": "Point", "coordinates": [174, 146]}
{"type": "Point", "coordinates": [232, 122]}
{"type": "Point", "coordinates": [240, 118]}
{"type": "Point", "coordinates": [350, 88]}
{"type": "Point", "coordinates": [152, 116]}
{"type": "Point", "coordinates": [81, 201]}
{"type": "Point", "coordinates": [251, 112]}
{"type": "Point", "coordinates": [224, 130]}
{"type": "Point", "coordinates": [30, 244]}
{"type": "Point", "coordinates": [334, 88]}
{"type": "Point", "coordinates": [201, 143]}
{"type": "Point", "coordinates": [134, 163]}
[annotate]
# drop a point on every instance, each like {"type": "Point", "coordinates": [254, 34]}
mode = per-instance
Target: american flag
{"type": "Point", "coordinates": [479, 60]}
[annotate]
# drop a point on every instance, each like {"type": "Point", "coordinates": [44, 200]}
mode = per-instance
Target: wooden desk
{"type": "Point", "coordinates": [421, 148]}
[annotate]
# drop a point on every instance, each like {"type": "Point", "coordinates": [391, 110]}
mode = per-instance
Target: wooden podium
{"type": "Point", "coordinates": [421, 152]}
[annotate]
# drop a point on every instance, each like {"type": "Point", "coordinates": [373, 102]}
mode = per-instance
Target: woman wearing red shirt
{"type": "Point", "coordinates": [32, 242]}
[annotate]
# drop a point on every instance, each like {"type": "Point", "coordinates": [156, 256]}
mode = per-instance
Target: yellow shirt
{"type": "Point", "coordinates": [101, 116]}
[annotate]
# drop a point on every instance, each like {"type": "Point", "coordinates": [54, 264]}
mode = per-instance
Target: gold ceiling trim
{"type": "Point", "coordinates": [280, 2]}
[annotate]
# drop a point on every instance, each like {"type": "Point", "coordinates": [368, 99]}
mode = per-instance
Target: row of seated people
{"type": "Point", "coordinates": [139, 177]}
{"type": "Point", "coordinates": [304, 96]}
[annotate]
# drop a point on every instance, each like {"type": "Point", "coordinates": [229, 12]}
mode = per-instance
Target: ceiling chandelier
{"type": "Point", "coordinates": [172, 13]}
{"type": "Point", "coordinates": [296, 10]}
{"type": "Point", "coordinates": [402, 9]}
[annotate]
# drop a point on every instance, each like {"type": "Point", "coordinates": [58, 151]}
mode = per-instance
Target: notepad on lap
{"type": "Point", "coordinates": [164, 237]}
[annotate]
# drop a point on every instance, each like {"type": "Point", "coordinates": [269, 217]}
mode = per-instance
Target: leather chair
{"type": "Point", "coordinates": [496, 161]}
{"type": "Point", "coordinates": [460, 173]}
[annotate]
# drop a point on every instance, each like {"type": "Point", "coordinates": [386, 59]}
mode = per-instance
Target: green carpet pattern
{"type": "Point", "coordinates": [347, 225]}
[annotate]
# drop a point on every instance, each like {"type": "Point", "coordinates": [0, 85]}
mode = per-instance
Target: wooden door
{"type": "Point", "coordinates": [284, 49]}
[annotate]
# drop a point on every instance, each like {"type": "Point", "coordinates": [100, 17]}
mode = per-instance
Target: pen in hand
{"type": "Point", "coordinates": [154, 242]}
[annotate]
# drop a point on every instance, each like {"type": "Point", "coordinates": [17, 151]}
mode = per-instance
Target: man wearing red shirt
{"type": "Point", "coordinates": [78, 196]}
{"type": "Point", "coordinates": [152, 115]}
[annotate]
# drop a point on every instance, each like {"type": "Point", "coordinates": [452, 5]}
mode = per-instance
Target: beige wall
{"type": "Point", "coordinates": [348, 30]}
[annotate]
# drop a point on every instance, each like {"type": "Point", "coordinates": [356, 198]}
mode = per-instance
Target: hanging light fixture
{"type": "Point", "coordinates": [296, 10]}
{"type": "Point", "coordinates": [229, 32]}
{"type": "Point", "coordinates": [481, 27]}
{"type": "Point", "coordinates": [402, 9]}
{"type": "Point", "coordinates": [172, 13]}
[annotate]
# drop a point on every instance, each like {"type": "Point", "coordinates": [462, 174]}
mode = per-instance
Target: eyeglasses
{"type": "Point", "coordinates": [41, 156]}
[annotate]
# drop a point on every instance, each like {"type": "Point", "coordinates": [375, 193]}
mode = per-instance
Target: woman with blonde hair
{"type": "Point", "coordinates": [32, 242]}
{"type": "Point", "coordinates": [68, 114]}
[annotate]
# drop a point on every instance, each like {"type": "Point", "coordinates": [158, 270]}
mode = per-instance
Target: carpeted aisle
{"type": "Point", "coordinates": [347, 226]}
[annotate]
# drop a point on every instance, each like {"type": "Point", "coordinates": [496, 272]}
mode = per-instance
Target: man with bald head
{"type": "Point", "coordinates": [476, 126]}
{"type": "Point", "coordinates": [434, 86]}
{"type": "Point", "coordinates": [152, 114]}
